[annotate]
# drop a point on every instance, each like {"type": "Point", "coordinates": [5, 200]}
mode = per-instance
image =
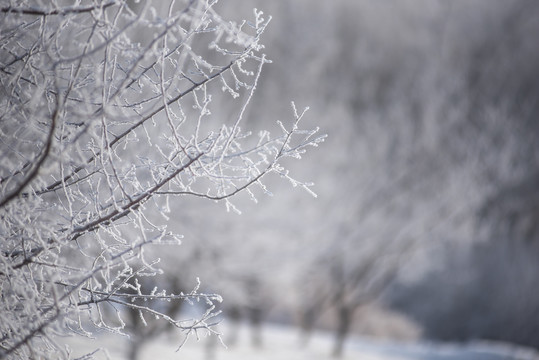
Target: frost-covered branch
{"type": "Point", "coordinates": [107, 111]}
{"type": "Point", "coordinates": [61, 11]}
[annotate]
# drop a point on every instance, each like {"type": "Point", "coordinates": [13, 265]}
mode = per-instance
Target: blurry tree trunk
{"type": "Point", "coordinates": [136, 340]}
{"type": "Point", "coordinates": [134, 349]}
{"type": "Point", "coordinates": [345, 314]}
{"type": "Point", "coordinates": [255, 319]}
{"type": "Point", "coordinates": [308, 321]}
{"type": "Point", "coordinates": [211, 347]}
{"type": "Point", "coordinates": [234, 314]}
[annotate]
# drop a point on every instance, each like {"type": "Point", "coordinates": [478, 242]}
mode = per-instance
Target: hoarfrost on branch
{"type": "Point", "coordinates": [97, 130]}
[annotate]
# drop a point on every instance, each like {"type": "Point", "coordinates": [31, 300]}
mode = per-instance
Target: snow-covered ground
{"type": "Point", "coordinates": [282, 343]}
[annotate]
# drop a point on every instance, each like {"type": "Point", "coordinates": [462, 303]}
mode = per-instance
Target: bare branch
{"type": "Point", "coordinates": [63, 11]}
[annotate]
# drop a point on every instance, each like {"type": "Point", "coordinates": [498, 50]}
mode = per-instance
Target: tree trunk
{"type": "Point", "coordinates": [343, 328]}
{"type": "Point", "coordinates": [255, 318]}
{"type": "Point", "coordinates": [308, 320]}
{"type": "Point", "coordinates": [211, 347]}
{"type": "Point", "coordinates": [134, 349]}
{"type": "Point", "coordinates": [234, 315]}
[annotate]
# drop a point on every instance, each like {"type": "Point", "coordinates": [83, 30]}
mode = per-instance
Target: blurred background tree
{"type": "Point", "coordinates": [427, 209]}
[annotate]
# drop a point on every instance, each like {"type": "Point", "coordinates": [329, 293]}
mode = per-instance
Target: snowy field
{"type": "Point", "coordinates": [281, 343]}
